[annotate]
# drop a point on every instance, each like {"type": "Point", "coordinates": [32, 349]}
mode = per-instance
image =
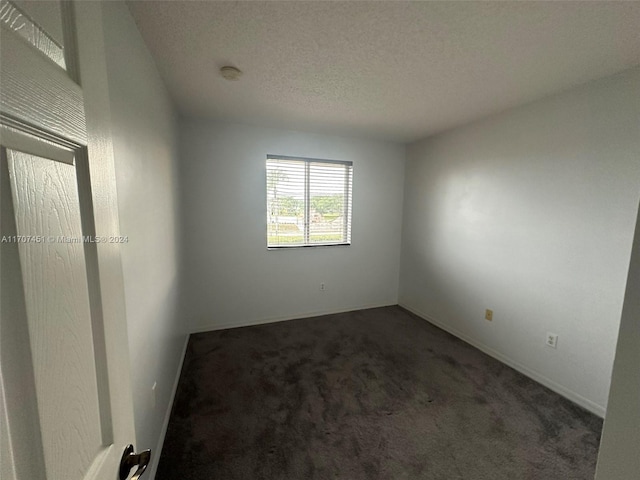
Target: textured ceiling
{"type": "Point", "coordinates": [394, 70]}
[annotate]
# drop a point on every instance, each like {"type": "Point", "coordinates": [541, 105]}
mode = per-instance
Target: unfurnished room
{"type": "Point", "coordinates": [287, 240]}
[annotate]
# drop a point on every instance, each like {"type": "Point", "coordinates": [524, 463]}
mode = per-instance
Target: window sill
{"type": "Point", "coordinates": [315, 245]}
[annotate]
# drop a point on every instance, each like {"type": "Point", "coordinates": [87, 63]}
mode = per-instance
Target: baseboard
{"type": "Point", "coordinates": [155, 459]}
{"type": "Point", "coordinates": [298, 316]}
{"type": "Point", "coordinates": [576, 398]}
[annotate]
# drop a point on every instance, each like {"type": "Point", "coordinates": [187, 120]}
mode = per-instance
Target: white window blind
{"type": "Point", "coordinates": [308, 202]}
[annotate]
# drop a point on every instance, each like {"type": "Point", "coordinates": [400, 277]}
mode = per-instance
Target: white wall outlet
{"type": "Point", "coordinates": [552, 340]}
{"type": "Point", "coordinates": [322, 286]}
{"type": "Point", "coordinates": [153, 395]}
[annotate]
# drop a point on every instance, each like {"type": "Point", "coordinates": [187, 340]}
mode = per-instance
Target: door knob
{"type": "Point", "coordinates": [130, 460]}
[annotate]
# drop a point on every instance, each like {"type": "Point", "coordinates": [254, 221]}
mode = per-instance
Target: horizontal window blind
{"type": "Point", "coordinates": [308, 202]}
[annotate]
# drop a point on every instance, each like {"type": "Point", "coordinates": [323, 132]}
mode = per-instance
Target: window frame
{"type": "Point", "coordinates": [348, 204]}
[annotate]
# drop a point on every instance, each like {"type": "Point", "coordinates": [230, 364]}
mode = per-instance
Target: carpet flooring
{"type": "Point", "coordinates": [366, 395]}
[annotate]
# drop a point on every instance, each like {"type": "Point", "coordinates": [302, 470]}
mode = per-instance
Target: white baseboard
{"type": "Point", "coordinates": [298, 316]}
{"type": "Point", "coordinates": [155, 459]}
{"type": "Point", "coordinates": [585, 403]}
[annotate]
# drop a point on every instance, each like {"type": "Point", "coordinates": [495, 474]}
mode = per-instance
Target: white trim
{"type": "Point", "coordinates": [593, 407]}
{"type": "Point", "coordinates": [155, 456]}
{"type": "Point", "coordinates": [286, 318]}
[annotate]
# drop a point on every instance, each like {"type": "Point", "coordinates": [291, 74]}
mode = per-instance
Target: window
{"type": "Point", "coordinates": [308, 202]}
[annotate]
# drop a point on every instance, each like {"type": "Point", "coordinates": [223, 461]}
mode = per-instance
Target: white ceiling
{"type": "Point", "coordinates": [394, 70]}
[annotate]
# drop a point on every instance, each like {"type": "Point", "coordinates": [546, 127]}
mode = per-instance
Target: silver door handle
{"type": "Point", "coordinates": [130, 460]}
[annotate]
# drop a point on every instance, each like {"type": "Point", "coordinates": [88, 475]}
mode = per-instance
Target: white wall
{"type": "Point", "coordinates": [530, 213]}
{"type": "Point", "coordinates": [145, 140]}
{"type": "Point", "coordinates": [231, 277]}
{"type": "Point", "coordinates": [619, 457]}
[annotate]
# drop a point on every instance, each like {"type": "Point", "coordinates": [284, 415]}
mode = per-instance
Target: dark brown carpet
{"type": "Point", "coordinates": [366, 395]}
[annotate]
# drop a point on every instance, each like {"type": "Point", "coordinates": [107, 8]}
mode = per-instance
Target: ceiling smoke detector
{"type": "Point", "coordinates": [230, 73]}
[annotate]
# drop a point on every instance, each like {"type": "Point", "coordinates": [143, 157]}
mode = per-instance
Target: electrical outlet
{"type": "Point", "coordinates": [552, 340]}
{"type": "Point", "coordinates": [322, 286]}
{"type": "Point", "coordinates": [153, 395]}
{"type": "Point", "coordinates": [488, 314]}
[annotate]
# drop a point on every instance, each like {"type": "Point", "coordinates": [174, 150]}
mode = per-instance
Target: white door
{"type": "Point", "coordinates": [65, 397]}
